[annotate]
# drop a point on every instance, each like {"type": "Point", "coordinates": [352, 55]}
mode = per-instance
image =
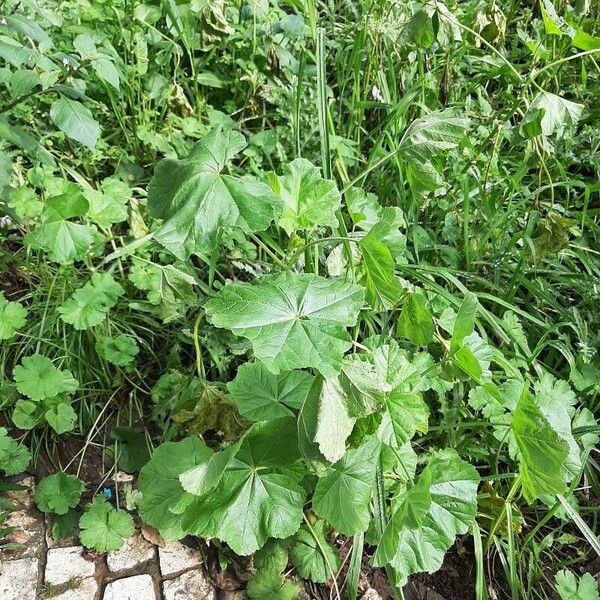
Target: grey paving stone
{"type": "Point", "coordinates": [18, 579]}
{"type": "Point", "coordinates": [81, 590]}
{"type": "Point", "coordinates": [140, 587]}
{"type": "Point", "coordinates": [191, 585]}
{"type": "Point", "coordinates": [175, 557]}
{"type": "Point", "coordinates": [66, 564]}
{"type": "Point", "coordinates": [135, 551]}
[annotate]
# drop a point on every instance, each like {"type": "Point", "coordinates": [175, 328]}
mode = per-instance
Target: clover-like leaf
{"type": "Point", "coordinates": [258, 496]}
{"type": "Point", "coordinates": [293, 320]}
{"type": "Point", "coordinates": [58, 493]}
{"type": "Point", "coordinates": [261, 395]}
{"type": "Point", "coordinates": [13, 316]}
{"type": "Point", "coordinates": [120, 350]}
{"type": "Point", "coordinates": [103, 527]}
{"type": "Point", "coordinates": [63, 240]}
{"type": "Point", "coordinates": [194, 198]}
{"type": "Point", "coordinates": [90, 304]}
{"type": "Point", "coordinates": [442, 505]}
{"type": "Point", "coordinates": [313, 556]}
{"type": "Point", "coordinates": [37, 378]}
{"type": "Point", "coordinates": [308, 199]}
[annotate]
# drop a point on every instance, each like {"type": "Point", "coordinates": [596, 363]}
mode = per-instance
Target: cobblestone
{"type": "Point", "coordinates": [192, 585]}
{"type": "Point", "coordinates": [138, 587]}
{"type": "Point", "coordinates": [141, 570]}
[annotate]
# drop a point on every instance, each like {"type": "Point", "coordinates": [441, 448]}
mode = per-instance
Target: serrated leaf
{"type": "Point", "coordinates": [427, 138]}
{"type": "Point", "coordinates": [168, 287]}
{"type": "Point", "coordinates": [464, 322]}
{"type": "Point", "coordinates": [313, 556]}
{"type": "Point", "coordinates": [555, 399]}
{"type": "Point", "coordinates": [160, 486]}
{"type": "Point", "coordinates": [308, 199]}
{"type": "Point", "coordinates": [541, 451]}
{"type": "Point", "coordinates": [60, 414]}
{"type": "Point", "coordinates": [13, 316]}
{"type": "Point", "coordinates": [58, 493]}
{"type": "Point", "coordinates": [267, 584]}
{"type": "Point", "coordinates": [75, 121]}
{"type": "Point", "coordinates": [261, 395]}
{"type": "Point", "coordinates": [442, 506]}
{"type": "Point", "coordinates": [89, 305]}
{"type": "Point", "coordinates": [258, 495]}
{"type": "Point", "coordinates": [108, 205]}
{"type": "Point", "coordinates": [64, 240]}
{"type": "Point", "coordinates": [334, 424]}
{"type": "Point", "coordinates": [120, 350]}
{"type": "Point", "coordinates": [343, 493]}
{"type": "Point", "coordinates": [14, 456]}
{"type": "Point", "coordinates": [103, 527]}
{"type": "Point", "coordinates": [195, 199]}
{"type": "Point", "coordinates": [415, 322]}
{"type": "Point", "coordinates": [549, 114]}
{"type": "Point", "coordinates": [293, 320]}
{"type": "Point", "coordinates": [65, 526]}
{"type": "Point", "coordinates": [37, 378]}
{"type": "Point", "coordinates": [383, 286]}
{"type": "Point", "coordinates": [273, 556]}
{"type": "Point", "coordinates": [570, 588]}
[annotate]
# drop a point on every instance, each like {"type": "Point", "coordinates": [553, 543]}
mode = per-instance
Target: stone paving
{"type": "Point", "coordinates": [45, 569]}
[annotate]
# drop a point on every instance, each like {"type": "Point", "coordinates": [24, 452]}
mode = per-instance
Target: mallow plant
{"type": "Point", "coordinates": [350, 379]}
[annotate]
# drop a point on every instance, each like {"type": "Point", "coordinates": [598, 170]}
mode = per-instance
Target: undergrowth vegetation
{"type": "Point", "coordinates": [324, 278]}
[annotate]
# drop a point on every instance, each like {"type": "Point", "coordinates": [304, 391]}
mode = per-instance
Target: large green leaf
{"type": "Point", "coordinates": [258, 496]}
{"type": "Point", "coordinates": [75, 121]}
{"type": "Point", "coordinates": [442, 505]}
{"type": "Point", "coordinates": [549, 114]}
{"type": "Point", "coordinates": [542, 453]}
{"type": "Point", "coordinates": [261, 395]}
{"type": "Point", "coordinates": [427, 138]}
{"type": "Point", "coordinates": [160, 486]}
{"type": "Point", "coordinates": [333, 423]}
{"type": "Point", "coordinates": [195, 199]}
{"type": "Point", "coordinates": [293, 320]}
{"type": "Point", "coordinates": [64, 240]}
{"type": "Point", "coordinates": [342, 495]}
{"type": "Point", "coordinates": [308, 199]}
{"type": "Point", "coordinates": [382, 284]}
{"type": "Point", "coordinates": [415, 322]}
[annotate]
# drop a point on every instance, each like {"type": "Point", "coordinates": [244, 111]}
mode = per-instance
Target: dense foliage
{"type": "Point", "coordinates": [322, 276]}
